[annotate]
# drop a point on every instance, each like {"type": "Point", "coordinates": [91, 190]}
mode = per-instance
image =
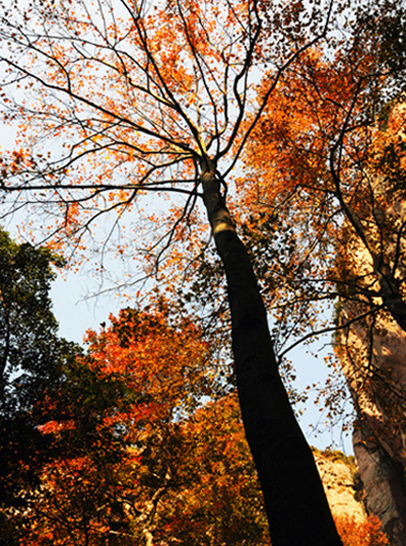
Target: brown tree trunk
{"type": "Point", "coordinates": [295, 502]}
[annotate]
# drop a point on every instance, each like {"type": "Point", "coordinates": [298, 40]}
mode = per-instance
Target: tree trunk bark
{"type": "Point", "coordinates": [295, 502]}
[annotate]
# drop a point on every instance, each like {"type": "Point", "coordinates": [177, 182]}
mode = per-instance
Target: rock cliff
{"type": "Point", "coordinates": [341, 483]}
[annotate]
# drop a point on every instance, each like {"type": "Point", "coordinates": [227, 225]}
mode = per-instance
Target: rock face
{"type": "Point", "coordinates": [339, 477]}
{"type": "Point", "coordinates": [372, 354]}
{"type": "Point", "coordinates": [371, 344]}
{"type": "Point", "coordinates": [384, 484]}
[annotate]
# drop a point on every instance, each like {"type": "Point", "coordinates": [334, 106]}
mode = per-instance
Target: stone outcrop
{"type": "Point", "coordinates": [372, 352]}
{"type": "Point", "coordinates": [372, 347]}
{"type": "Point", "coordinates": [384, 487]}
{"type": "Point", "coordinates": [343, 490]}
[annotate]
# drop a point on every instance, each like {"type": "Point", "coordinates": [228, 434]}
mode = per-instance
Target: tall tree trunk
{"type": "Point", "coordinates": [295, 502]}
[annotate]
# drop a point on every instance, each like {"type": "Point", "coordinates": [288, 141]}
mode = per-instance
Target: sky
{"type": "Point", "coordinates": [78, 305]}
{"type": "Point", "coordinates": [77, 310]}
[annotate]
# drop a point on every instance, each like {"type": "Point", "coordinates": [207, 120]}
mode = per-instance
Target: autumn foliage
{"type": "Point", "coordinates": [115, 432]}
{"type": "Point", "coordinates": [367, 533]}
{"type": "Point", "coordinates": [138, 454]}
{"type": "Point", "coordinates": [123, 105]}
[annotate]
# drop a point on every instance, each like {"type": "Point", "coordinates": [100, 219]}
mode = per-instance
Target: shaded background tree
{"type": "Point", "coordinates": [134, 461]}
{"type": "Point", "coordinates": [32, 359]}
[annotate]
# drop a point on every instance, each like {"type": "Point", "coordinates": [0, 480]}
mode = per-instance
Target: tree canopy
{"type": "Point", "coordinates": [32, 360]}
{"type": "Point", "coordinates": [134, 460]}
{"type": "Point", "coordinates": [121, 104]}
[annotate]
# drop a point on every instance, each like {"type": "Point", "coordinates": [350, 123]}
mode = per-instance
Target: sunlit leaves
{"type": "Point", "coordinates": [126, 91]}
{"type": "Point", "coordinates": [115, 430]}
{"type": "Point", "coordinates": [355, 533]}
{"type": "Point", "coordinates": [150, 355]}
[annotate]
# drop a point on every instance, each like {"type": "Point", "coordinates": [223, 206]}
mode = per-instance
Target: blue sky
{"type": "Point", "coordinates": [76, 311]}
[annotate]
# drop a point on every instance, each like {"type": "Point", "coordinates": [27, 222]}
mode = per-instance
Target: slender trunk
{"type": "Point", "coordinates": [297, 509]}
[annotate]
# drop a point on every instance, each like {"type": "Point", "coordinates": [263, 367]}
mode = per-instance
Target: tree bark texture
{"type": "Point", "coordinates": [295, 501]}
